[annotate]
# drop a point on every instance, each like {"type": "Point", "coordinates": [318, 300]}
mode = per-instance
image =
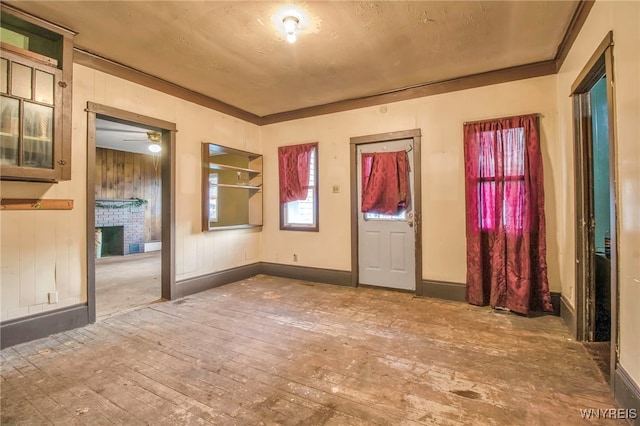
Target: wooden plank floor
{"type": "Point", "coordinates": [127, 282]}
{"type": "Point", "coordinates": [269, 351]}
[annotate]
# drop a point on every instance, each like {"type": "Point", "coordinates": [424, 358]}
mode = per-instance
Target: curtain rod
{"type": "Point", "coordinates": [502, 118]}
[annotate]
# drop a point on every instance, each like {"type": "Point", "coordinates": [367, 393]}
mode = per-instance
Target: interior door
{"type": "Point", "coordinates": [386, 243]}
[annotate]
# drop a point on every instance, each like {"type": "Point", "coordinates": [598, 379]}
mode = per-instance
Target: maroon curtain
{"type": "Point", "coordinates": [385, 182]}
{"type": "Point", "coordinates": [506, 235]}
{"type": "Point", "coordinates": [294, 171]}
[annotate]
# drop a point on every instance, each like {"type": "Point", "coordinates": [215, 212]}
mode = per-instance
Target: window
{"type": "Point", "coordinates": [500, 179]}
{"type": "Point", "coordinates": [298, 193]}
{"type": "Point", "coordinates": [506, 230]}
{"type": "Point", "coordinates": [213, 197]}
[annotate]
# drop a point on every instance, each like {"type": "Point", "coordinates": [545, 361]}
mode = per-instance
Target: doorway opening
{"type": "Point", "coordinates": [128, 216]}
{"type": "Point", "coordinates": [596, 215]}
{"type": "Point", "coordinates": [130, 183]}
{"type": "Point", "coordinates": [386, 238]}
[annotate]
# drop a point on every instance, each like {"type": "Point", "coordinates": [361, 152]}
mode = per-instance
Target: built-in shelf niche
{"type": "Point", "coordinates": [231, 188]}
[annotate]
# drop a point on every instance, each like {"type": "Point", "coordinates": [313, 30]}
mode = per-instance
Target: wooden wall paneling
{"type": "Point", "coordinates": [63, 251]}
{"type": "Point", "coordinates": [138, 161]}
{"type": "Point", "coordinates": [105, 175]}
{"type": "Point", "coordinates": [10, 270]}
{"type": "Point", "coordinates": [148, 194]}
{"type": "Point", "coordinates": [103, 182]}
{"type": "Point", "coordinates": [118, 158]}
{"type": "Point", "coordinates": [156, 201]}
{"type": "Point", "coordinates": [158, 228]}
{"type": "Point", "coordinates": [122, 174]}
{"type": "Point", "coordinates": [98, 172]}
{"type": "Point", "coordinates": [109, 175]}
{"type": "Point", "coordinates": [156, 235]}
{"type": "Point", "coordinates": [44, 266]}
{"type": "Point", "coordinates": [27, 250]}
{"type": "Point", "coordinates": [128, 175]}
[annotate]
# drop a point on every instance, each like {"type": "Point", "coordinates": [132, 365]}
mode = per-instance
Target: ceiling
{"type": "Point", "coordinates": [122, 137]}
{"type": "Point", "coordinates": [236, 52]}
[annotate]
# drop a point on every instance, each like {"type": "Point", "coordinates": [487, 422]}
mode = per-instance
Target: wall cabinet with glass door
{"type": "Point", "coordinates": [231, 188]}
{"type": "Point", "coordinates": [34, 136]}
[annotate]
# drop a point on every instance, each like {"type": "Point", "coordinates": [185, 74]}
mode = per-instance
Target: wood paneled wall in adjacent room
{"type": "Point", "coordinates": [122, 174]}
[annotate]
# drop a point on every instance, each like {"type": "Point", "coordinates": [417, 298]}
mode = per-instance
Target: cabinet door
{"type": "Point", "coordinates": [30, 130]}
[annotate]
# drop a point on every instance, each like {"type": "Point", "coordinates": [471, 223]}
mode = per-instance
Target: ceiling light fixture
{"type": "Point", "coordinates": [154, 138]}
{"type": "Point", "coordinates": [290, 27]}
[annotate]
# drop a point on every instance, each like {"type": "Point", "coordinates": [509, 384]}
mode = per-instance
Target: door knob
{"type": "Point", "coordinates": [410, 220]}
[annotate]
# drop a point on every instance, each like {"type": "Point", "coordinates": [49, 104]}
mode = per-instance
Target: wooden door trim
{"type": "Point", "coordinates": [168, 129]}
{"type": "Point", "coordinates": [600, 63]}
{"type": "Point", "coordinates": [416, 135]}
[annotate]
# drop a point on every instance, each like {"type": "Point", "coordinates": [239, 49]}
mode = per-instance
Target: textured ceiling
{"type": "Point", "coordinates": [122, 137]}
{"type": "Point", "coordinates": [236, 52]}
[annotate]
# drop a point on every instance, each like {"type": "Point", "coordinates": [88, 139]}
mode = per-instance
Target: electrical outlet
{"type": "Point", "coordinates": [336, 189]}
{"type": "Point", "coordinates": [53, 297]}
{"type": "Point", "coordinates": [295, 257]}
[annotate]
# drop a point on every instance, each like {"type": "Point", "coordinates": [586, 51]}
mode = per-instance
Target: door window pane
{"type": "Point", "coordinates": [44, 87]}
{"type": "Point", "coordinates": [38, 136]}
{"type": "Point", "coordinates": [380, 216]}
{"type": "Point", "coordinates": [4, 69]}
{"type": "Point", "coordinates": [20, 80]}
{"type": "Point", "coordinates": [9, 130]}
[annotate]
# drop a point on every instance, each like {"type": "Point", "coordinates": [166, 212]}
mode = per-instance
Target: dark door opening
{"type": "Point", "coordinates": [601, 210]}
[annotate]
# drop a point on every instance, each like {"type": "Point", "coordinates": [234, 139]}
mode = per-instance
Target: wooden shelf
{"type": "Point", "coordinates": [226, 185]}
{"type": "Point", "coordinates": [237, 208]}
{"type": "Point", "coordinates": [222, 228]}
{"type": "Point", "coordinates": [216, 166]}
{"type": "Point", "coordinates": [34, 204]}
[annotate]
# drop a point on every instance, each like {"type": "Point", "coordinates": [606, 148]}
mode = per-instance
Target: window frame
{"type": "Point", "coordinates": [315, 227]}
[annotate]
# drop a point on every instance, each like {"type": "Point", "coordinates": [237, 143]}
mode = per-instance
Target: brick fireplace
{"type": "Point", "coordinates": [121, 225]}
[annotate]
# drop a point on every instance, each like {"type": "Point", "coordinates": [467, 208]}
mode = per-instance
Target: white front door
{"type": "Point", "coordinates": [386, 243]}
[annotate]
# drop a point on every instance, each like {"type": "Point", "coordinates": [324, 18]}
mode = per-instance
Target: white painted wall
{"type": "Point", "coordinates": [45, 251]}
{"type": "Point", "coordinates": [440, 119]}
{"type": "Point", "coordinates": [624, 19]}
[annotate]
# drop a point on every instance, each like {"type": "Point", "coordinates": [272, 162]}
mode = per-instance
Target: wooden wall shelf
{"type": "Point", "coordinates": [34, 204]}
{"type": "Point", "coordinates": [231, 188]}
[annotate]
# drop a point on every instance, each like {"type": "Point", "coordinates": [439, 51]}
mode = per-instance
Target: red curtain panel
{"type": "Point", "coordinates": [385, 182]}
{"type": "Point", "coordinates": [294, 171]}
{"type": "Point", "coordinates": [506, 231]}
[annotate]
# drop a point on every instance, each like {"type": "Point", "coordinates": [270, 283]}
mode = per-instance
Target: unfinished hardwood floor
{"type": "Point", "coordinates": [269, 351]}
{"type": "Point", "coordinates": [127, 282]}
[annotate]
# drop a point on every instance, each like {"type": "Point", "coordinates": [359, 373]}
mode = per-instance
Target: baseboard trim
{"type": "Point", "coordinates": [568, 315]}
{"type": "Point", "coordinates": [41, 325]}
{"type": "Point", "coordinates": [216, 279]}
{"type": "Point", "coordinates": [442, 290]}
{"type": "Point", "coordinates": [36, 326]}
{"type": "Point", "coordinates": [556, 303]}
{"type": "Point", "coordinates": [320, 275]}
{"type": "Point", "coordinates": [627, 393]}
